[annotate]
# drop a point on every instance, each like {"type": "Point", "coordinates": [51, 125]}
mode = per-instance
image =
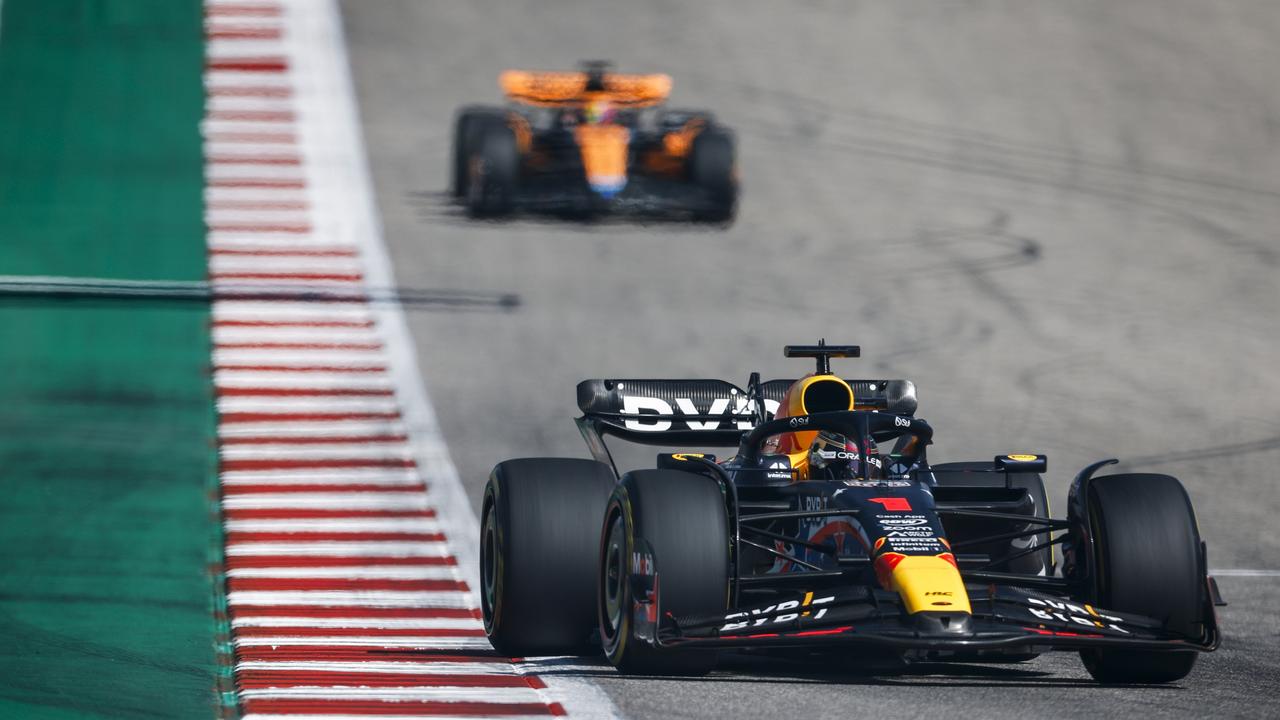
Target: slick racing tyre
{"type": "Point", "coordinates": [465, 124]}
{"type": "Point", "coordinates": [1038, 563]}
{"type": "Point", "coordinates": [1146, 560]}
{"type": "Point", "coordinates": [493, 168]}
{"type": "Point", "coordinates": [713, 168]}
{"type": "Point", "coordinates": [682, 518]}
{"type": "Point", "coordinates": [538, 545]}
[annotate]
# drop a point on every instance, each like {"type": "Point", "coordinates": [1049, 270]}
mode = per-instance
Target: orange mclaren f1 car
{"type": "Point", "coordinates": [829, 533]}
{"type": "Point", "coordinates": [591, 142]}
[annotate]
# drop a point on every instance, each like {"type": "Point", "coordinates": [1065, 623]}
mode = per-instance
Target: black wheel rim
{"type": "Point", "coordinates": [490, 567]}
{"type": "Point", "coordinates": [613, 578]}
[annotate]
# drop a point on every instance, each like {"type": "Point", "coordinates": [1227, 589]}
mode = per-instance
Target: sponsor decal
{"type": "Point", "coordinates": [1022, 458]}
{"type": "Point", "coordinates": [877, 483]}
{"type": "Point", "coordinates": [892, 504]}
{"type": "Point", "coordinates": [779, 613]}
{"type": "Point", "coordinates": [640, 406]}
{"type": "Point", "coordinates": [1072, 614]}
{"type": "Point", "coordinates": [902, 520]}
{"type": "Point", "coordinates": [901, 421]}
{"type": "Point", "coordinates": [798, 421]}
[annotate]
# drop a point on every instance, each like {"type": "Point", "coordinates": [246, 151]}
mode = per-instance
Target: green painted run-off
{"type": "Point", "coordinates": [106, 412]}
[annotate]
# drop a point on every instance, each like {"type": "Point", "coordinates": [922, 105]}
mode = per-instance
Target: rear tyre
{"type": "Point", "coordinates": [1147, 561]}
{"type": "Point", "coordinates": [683, 519]}
{"type": "Point", "coordinates": [538, 546]}
{"type": "Point", "coordinates": [493, 168]}
{"type": "Point", "coordinates": [465, 123]}
{"type": "Point", "coordinates": [713, 168]}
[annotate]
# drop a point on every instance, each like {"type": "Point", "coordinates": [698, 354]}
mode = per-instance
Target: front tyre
{"type": "Point", "coordinates": [713, 168]}
{"type": "Point", "coordinates": [682, 518]}
{"type": "Point", "coordinates": [538, 545]}
{"type": "Point", "coordinates": [1147, 560]}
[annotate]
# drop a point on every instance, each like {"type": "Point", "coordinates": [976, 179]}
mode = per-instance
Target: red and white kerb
{"type": "Point", "coordinates": [344, 595]}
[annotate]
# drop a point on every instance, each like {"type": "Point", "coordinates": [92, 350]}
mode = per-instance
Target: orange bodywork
{"type": "Point", "coordinates": [569, 89]}
{"type": "Point", "coordinates": [604, 152]}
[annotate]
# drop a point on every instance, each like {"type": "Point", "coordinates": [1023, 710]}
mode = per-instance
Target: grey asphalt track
{"type": "Point", "coordinates": [1060, 219]}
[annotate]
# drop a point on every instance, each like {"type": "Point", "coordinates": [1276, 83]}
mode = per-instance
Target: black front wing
{"type": "Point", "coordinates": [1003, 618]}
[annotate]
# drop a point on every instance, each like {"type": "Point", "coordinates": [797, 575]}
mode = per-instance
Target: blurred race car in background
{"type": "Point", "coordinates": [592, 142]}
{"type": "Point", "coordinates": [812, 540]}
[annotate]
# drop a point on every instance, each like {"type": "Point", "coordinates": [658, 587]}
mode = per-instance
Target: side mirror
{"type": "Point", "coordinates": [1019, 463]}
{"type": "Point", "coordinates": [900, 397]}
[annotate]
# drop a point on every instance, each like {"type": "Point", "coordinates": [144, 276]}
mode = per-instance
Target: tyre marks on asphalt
{"type": "Point", "coordinates": [344, 592]}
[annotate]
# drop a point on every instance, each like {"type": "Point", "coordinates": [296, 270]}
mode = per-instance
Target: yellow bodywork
{"type": "Point", "coordinates": [928, 583]}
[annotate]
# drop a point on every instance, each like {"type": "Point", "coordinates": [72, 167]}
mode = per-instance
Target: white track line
{"type": "Point", "coordinates": [1244, 572]}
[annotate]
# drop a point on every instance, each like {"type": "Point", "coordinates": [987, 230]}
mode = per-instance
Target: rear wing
{"type": "Point", "coordinates": [704, 413]}
{"type": "Point", "coordinates": [554, 89]}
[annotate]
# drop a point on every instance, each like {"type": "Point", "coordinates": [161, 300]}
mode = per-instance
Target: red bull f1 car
{"type": "Point", "coordinates": [830, 532]}
{"type": "Point", "coordinates": [592, 142]}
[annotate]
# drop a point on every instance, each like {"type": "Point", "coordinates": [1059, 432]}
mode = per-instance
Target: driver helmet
{"type": "Point", "coordinates": [833, 456]}
{"type": "Point", "coordinates": [598, 112]}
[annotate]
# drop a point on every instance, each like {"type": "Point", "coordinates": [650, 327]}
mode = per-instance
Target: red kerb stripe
{"type": "Point", "coordinates": [306, 513]}
{"type": "Point", "coordinates": [247, 417]}
{"type": "Point", "coordinates": [297, 346]}
{"type": "Point", "coordinates": [292, 183]}
{"type": "Point", "coordinates": [301, 392]}
{"type": "Point", "coordinates": [223, 32]}
{"type": "Point", "coordinates": [282, 138]}
{"type": "Point", "coordinates": [304, 368]}
{"type": "Point", "coordinates": [243, 10]}
{"type": "Point", "coordinates": [313, 439]}
{"type": "Point", "coordinates": [271, 91]}
{"type": "Point", "coordinates": [269, 64]}
{"type": "Point", "coordinates": [254, 160]}
{"type": "Point", "coordinates": [294, 323]}
{"type": "Point", "coordinates": [352, 487]}
{"type": "Point", "coordinates": [265, 116]}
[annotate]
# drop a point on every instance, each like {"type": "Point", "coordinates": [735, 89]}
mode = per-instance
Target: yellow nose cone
{"type": "Point", "coordinates": [929, 583]}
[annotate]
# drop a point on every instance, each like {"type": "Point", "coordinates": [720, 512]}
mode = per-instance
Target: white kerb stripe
{"type": "Point", "coordinates": [312, 428]}
{"type": "Point", "coordinates": [289, 310]}
{"type": "Point", "coordinates": [382, 641]}
{"type": "Point", "coordinates": [360, 598]}
{"type": "Point", "coordinates": [374, 666]}
{"type": "Point", "coordinates": [335, 476]}
{"type": "Point", "coordinates": [278, 357]}
{"type": "Point", "coordinates": [386, 525]}
{"type": "Point", "coordinates": [307, 404]}
{"type": "Point", "coordinates": [327, 501]}
{"type": "Point", "coordinates": [340, 548]}
{"type": "Point", "coordinates": [396, 694]}
{"type": "Point", "coordinates": [356, 622]}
